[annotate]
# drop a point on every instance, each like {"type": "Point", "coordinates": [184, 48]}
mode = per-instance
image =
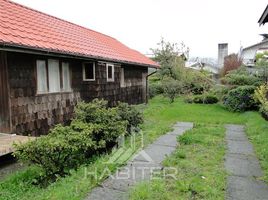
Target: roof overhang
{"type": "Point", "coordinates": [264, 17]}
{"type": "Point", "coordinates": [52, 52]}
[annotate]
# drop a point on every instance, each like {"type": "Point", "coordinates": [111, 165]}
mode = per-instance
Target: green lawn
{"type": "Point", "coordinates": [199, 159]}
{"type": "Point", "coordinates": [159, 118]}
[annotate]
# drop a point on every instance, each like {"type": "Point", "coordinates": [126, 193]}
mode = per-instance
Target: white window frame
{"type": "Point", "coordinates": [107, 66]}
{"type": "Point", "coordinates": [84, 72]}
{"type": "Point", "coordinates": [69, 81]}
{"type": "Point", "coordinates": [45, 77]}
{"type": "Point", "coordinates": [122, 78]}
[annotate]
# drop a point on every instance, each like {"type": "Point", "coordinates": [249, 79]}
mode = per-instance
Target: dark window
{"type": "Point", "coordinates": [89, 72]}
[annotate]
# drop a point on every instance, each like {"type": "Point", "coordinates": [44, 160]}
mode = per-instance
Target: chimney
{"type": "Point", "coordinates": [222, 52]}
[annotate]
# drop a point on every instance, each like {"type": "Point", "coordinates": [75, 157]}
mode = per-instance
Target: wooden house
{"type": "Point", "coordinates": [47, 65]}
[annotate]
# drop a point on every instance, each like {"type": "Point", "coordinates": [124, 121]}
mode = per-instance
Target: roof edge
{"type": "Point", "coordinates": [43, 51]}
{"type": "Point", "coordinates": [263, 16]}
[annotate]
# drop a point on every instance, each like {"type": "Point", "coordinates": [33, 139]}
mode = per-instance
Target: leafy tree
{"type": "Point", "coordinates": [262, 64]}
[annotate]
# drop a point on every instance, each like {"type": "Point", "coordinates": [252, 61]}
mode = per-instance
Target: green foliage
{"type": "Point", "coordinates": [172, 89]}
{"type": "Point", "coordinates": [58, 152]}
{"type": "Point", "coordinates": [204, 99]}
{"type": "Point", "coordinates": [94, 129]}
{"type": "Point", "coordinates": [261, 96]}
{"type": "Point", "coordinates": [219, 91]}
{"type": "Point", "coordinates": [241, 77]}
{"type": "Point", "coordinates": [155, 89]}
{"type": "Point", "coordinates": [130, 114]}
{"type": "Point", "coordinates": [240, 99]}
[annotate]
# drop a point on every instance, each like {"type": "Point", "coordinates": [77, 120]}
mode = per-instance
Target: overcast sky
{"type": "Point", "coordinates": [200, 24]}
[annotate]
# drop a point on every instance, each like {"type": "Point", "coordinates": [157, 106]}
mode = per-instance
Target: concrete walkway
{"type": "Point", "coordinates": [140, 168]}
{"type": "Point", "coordinates": [243, 167]}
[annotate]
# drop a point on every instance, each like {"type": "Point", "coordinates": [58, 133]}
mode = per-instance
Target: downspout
{"type": "Point", "coordinates": [147, 88]}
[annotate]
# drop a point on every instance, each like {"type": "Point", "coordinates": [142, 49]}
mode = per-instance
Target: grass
{"type": "Point", "coordinates": [200, 158]}
{"type": "Point", "coordinates": [160, 115]}
{"type": "Point", "coordinates": [200, 170]}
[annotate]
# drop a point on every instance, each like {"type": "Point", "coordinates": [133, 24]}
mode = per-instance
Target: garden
{"type": "Point", "coordinates": [56, 165]}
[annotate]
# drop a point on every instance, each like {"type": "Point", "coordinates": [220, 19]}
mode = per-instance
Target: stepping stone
{"type": "Point", "coordinates": [167, 140]}
{"type": "Point", "coordinates": [245, 188]}
{"type": "Point", "coordinates": [233, 127]}
{"type": "Point", "coordinates": [154, 153]}
{"type": "Point", "coordinates": [233, 135]}
{"type": "Point", "coordinates": [184, 124]}
{"type": "Point", "coordinates": [102, 193]}
{"type": "Point", "coordinates": [131, 174]}
{"type": "Point", "coordinates": [242, 165]}
{"type": "Point", "coordinates": [240, 147]}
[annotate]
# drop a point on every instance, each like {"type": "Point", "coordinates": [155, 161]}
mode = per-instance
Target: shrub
{"type": "Point", "coordinates": [261, 96]}
{"type": "Point", "coordinates": [172, 88]}
{"type": "Point", "coordinates": [94, 129]}
{"type": "Point", "coordinates": [240, 99]}
{"type": "Point", "coordinates": [155, 89]}
{"type": "Point", "coordinates": [203, 99]}
{"type": "Point", "coordinates": [219, 91]}
{"type": "Point", "coordinates": [58, 152]}
{"type": "Point", "coordinates": [130, 114]}
{"type": "Point", "coordinates": [241, 77]}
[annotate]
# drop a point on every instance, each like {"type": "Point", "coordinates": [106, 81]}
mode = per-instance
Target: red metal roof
{"type": "Point", "coordinates": [24, 27]}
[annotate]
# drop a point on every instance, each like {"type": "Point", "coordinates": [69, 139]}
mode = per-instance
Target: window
{"type": "Point", "coordinates": [54, 75]}
{"type": "Point", "coordinates": [51, 77]}
{"type": "Point", "coordinates": [66, 82]}
{"type": "Point", "coordinates": [110, 72]}
{"type": "Point", "coordinates": [89, 71]}
{"type": "Point", "coordinates": [122, 77]}
{"type": "Point", "coordinates": [41, 76]}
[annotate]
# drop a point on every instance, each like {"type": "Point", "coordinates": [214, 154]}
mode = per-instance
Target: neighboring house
{"type": "Point", "coordinates": [248, 54]}
{"type": "Point", "coordinates": [47, 65]}
{"type": "Point", "coordinates": [202, 64]}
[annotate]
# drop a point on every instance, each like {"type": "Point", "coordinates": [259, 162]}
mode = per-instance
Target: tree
{"type": "Point", "coordinates": [262, 64]}
{"type": "Point", "coordinates": [171, 57]}
{"type": "Point", "coordinates": [231, 62]}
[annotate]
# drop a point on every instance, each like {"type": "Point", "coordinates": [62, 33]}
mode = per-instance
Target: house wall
{"type": "Point", "coordinates": [33, 114]}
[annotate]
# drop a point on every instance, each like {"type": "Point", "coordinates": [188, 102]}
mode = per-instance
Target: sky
{"type": "Point", "coordinates": [140, 24]}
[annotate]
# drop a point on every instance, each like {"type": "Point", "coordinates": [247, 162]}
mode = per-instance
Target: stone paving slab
{"type": "Point", "coordinates": [167, 140]}
{"type": "Point", "coordinates": [233, 135]}
{"type": "Point", "coordinates": [131, 174]}
{"type": "Point", "coordinates": [243, 165]}
{"type": "Point", "coordinates": [245, 188]}
{"type": "Point", "coordinates": [103, 193]}
{"type": "Point", "coordinates": [140, 167]}
{"type": "Point", "coordinates": [154, 153]}
{"type": "Point", "coordinates": [240, 147]}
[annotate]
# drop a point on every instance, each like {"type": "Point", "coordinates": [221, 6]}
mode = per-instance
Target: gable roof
{"type": "Point", "coordinates": [23, 27]}
{"type": "Point", "coordinates": [264, 17]}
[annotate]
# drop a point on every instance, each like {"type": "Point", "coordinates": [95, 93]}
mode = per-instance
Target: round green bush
{"type": "Point", "coordinates": [240, 99]}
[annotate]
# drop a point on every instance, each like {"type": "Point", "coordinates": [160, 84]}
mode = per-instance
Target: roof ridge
{"type": "Point", "coordinates": [58, 18]}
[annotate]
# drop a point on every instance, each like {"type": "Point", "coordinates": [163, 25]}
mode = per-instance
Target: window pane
{"type": "Point", "coordinates": [110, 72]}
{"type": "Point", "coordinates": [89, 71]}
{"type": "Point", "coordinates": [66, 82]}
{"type": "Point", "coordinates": [54, 75]}
{"type": "Point", "coordinates": [41, 76]}
{"type": "Point", "coordinates": [122, 78]}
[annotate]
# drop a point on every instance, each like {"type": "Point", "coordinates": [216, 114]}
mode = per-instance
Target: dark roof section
{"type": "Point", "coordinates": [264, 17]}
{"type": "Point", "coordinates": [25, 28]}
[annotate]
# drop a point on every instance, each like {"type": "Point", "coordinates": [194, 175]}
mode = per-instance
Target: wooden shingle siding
{"type": "Point", "coordinates": [33, 114]}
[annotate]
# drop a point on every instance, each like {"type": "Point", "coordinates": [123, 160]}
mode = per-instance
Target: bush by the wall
{"type": "Point", "coordinates": [94, 129]}
{"type": "Point", "coordinates": [261, 95]}
{"type": "Point", "coordinates": [240, 99]}
{"type": "Point", "coordinates": [130, 114]}
{"type": "Point", "coordinates": [58, 152]}
{"type": "Point", "coordinates": [155, 88]}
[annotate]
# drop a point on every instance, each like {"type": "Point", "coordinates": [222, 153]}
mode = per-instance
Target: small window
{"type": "Point", "coordinates": [122, 77]}
{"type": "Point", "coordinates": [110, 72]}
{"type": "Point", "coordinates": [66, 82]}
{"type": "Point", "coordinates": [54, 75]}
{"type": "Point", "coordinates": [41, 76]}
{"type": "Point", "coordinates": [89, 71]}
